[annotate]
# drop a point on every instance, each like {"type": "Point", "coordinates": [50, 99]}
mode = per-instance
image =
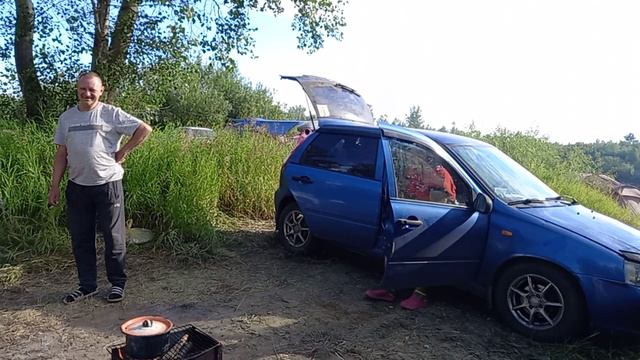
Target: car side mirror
{"type": "Point", "coordinates": [482, 203]}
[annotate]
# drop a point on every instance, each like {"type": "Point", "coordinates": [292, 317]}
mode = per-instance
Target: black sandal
{"type": "Point", "coordinates": [116, 294]}
{"type": "Point", "coordinates": [77, 295]}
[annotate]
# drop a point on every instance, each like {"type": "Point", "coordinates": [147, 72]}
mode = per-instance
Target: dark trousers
{"type": "Point", "coordinates": [101, 205]}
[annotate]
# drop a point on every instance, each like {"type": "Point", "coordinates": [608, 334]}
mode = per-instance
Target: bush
{"type": "Point", "coordinates": [196, 95]}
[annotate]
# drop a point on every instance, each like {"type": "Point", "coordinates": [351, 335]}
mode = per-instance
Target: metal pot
{"type": "Point", "coordinates": [147, 337]}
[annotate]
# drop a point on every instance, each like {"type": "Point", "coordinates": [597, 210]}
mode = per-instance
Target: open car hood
{"type": "Point", "coordinates": [332, 100]}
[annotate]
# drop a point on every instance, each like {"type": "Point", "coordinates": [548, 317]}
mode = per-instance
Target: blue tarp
{"type": "Point", "coordinates": [273, 127]}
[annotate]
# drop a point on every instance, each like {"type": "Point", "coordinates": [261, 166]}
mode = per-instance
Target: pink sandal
{"type": "Point", "coordinates": [380, 294]}
{"type": "Point", "coordinates": [416, 301]}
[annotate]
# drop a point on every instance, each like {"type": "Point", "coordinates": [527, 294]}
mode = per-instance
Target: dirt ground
{"type": "Point", "coordinates": [259, 303]}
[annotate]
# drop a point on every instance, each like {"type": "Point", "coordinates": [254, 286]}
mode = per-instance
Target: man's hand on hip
{"type": "Point", "coordinates": [121, 156]}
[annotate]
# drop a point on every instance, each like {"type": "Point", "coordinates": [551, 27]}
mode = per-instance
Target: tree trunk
{"type": "Point", "coordinates": [100, 37]}
{"type": "Point", "coordinates": [25, 66]}
{"type": "Point", "coordinates": [119, 47]}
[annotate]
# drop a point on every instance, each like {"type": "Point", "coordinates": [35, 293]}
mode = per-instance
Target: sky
{"type": "Point", "coordinates": [569, 70]}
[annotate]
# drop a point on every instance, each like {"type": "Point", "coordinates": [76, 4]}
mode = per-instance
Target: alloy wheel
{"type": "Point", "coordinates": [535, 302]}
{"type": "Point", "coordinates": [296, 231]}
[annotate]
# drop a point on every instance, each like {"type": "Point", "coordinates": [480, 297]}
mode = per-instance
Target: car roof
{"type": "Point", "coordinates": [348, 127]}
{"type": "Point", "coordinates": [441, 138]}
{"type": "Point", "coordinates": [449, 139]}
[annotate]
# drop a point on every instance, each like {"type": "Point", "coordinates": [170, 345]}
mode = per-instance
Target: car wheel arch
{"type": "Point", "coordinates": [545, 268]}
{"type": "Point", "coordinates": [531, 260]}
{"type": "Point", "coordinates": [294, 233]}
{"type": "Point", "coordinates": [289, 199]}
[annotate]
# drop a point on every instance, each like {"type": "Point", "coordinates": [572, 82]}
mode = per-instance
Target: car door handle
{"type": "Point", "coordinates": [411, 221]}
{"type": "Point", "coordinates": [302, 179]}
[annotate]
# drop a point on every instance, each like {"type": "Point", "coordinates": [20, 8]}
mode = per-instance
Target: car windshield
{"type": "Point", "coordinates": [508, 180]}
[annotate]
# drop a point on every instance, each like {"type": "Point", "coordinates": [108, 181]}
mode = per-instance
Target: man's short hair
{"type": "Point", "coordinates": [90, 73]}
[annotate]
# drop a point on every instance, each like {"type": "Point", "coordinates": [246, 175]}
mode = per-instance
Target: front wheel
{"type": "Point", "coordinates": [540, 301]}
{"type": "Point", "coordinates": [294, 232]}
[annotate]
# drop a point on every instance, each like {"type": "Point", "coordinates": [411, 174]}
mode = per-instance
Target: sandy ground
{"type": "Point", "coordinates": [261, 303]}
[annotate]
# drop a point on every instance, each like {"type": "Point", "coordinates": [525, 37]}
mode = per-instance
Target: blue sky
{"type": "Point", "coordinates": [569, 69]}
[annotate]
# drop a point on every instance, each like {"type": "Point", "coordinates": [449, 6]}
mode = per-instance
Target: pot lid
{"type": "Point", "coordinates": [146, 326]}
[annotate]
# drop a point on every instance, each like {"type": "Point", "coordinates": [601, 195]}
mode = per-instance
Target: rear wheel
{"type": "Point", "coordinates": [541, 301]}
{"type": "Point", "coordinates": [294, 232]}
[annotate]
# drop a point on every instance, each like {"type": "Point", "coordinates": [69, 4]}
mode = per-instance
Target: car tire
{"type": "Point", "coordinates": [540, 301]}
{"type": "Point", "coordinates": [294, 233]}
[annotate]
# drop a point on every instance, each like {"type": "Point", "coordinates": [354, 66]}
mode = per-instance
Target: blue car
{"type": "Point", "coordinates": [449, 210]}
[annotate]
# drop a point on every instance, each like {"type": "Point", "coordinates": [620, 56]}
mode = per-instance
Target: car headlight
{"type": "Point", "coordinates": [632, 272]}
{"type": "Point", "coordinates": [631, 268]}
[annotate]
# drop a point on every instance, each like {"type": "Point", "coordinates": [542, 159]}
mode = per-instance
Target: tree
{"type": "Point", "coordinates": [141, 33]}
{"type": "Point", "coordinates": [398, 122]}
{"type": "Point", "coordinates": [297, 112]}
{"type": "Point", "coordinates": [25, 66]}
{"type": "Point", "coordinates": [414, 118]}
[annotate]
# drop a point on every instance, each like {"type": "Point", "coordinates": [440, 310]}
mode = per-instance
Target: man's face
{"type": "Point", "coordinates": [89, 91]}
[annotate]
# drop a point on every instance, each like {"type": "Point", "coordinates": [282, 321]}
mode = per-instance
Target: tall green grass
{"type": "Point", "coordinates": [26, 224]}
{"type": "Point", "coordinates": [250, 165]}
{"type": "Point", "coordinates": [187, 189]}
{"type": "Point", "coordinates": [184, 189]}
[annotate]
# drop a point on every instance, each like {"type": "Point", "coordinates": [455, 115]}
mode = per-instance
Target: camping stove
{"type": "Point", "coordinates": [185, 343]}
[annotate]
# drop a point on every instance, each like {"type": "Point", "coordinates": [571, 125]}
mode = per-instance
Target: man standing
{"type": "Point", "coordinates": [88, 144]}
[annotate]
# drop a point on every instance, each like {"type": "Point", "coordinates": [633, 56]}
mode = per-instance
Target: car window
{"type": "Point", "coordinates": [349, 154]}
{"type": "Point", "coordinates": [422, 175]}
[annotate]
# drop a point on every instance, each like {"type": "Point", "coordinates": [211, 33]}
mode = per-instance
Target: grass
{"type": "Point", "coordinates": [186, 190]}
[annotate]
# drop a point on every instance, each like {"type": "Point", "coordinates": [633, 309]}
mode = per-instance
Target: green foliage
{"type": "Point", "coordinates": [414, 118]}
{"type": "Point", "coordinates": [196, 95]}
{"type": "Point", "coordinates": [297, 112]}
{"type": "Point", "coordinates": [397, 122]}
{"type": "Point", "coordinates": [184, 189]}
{"type": "Point", "coordinates": [250, 163]}
{"type": "Point", "coordinates": [621, 159]}
{"type": "Point", "coordinates": [187, 200]}
{"type": "Point", "coordinates": [10, 107]}
{"type": "Point", "coordinates": [26, 225]}
{"type": "Point", "coordinates": [141, 33]}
